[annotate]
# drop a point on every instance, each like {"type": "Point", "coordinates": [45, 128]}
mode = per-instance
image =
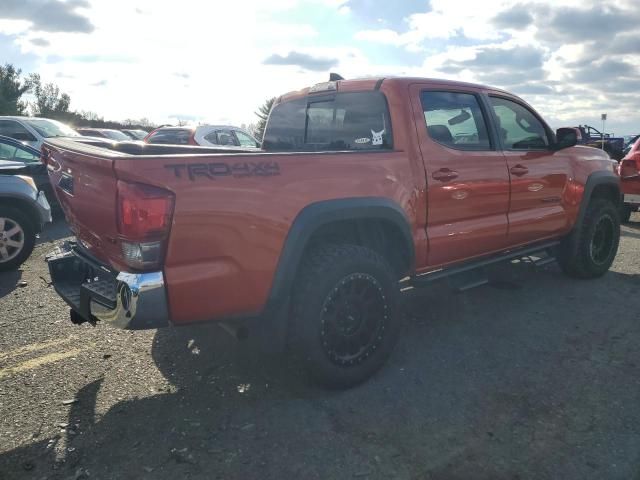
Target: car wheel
{"type": "Point", "coordinates": [589, 250]}
{"type": "Point", "coordinates": [17, 238]}
{"type": "Point", "coordinates": [345, 314]}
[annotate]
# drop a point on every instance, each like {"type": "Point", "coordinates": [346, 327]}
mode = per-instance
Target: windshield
{"type": "Point", "coordinates": [116, 135]}
{"type": "Point", "coordinates": [51, 128]}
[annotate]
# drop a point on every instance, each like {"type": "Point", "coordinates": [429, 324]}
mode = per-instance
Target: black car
{"type": "Point", "coordinates": [16, 158]}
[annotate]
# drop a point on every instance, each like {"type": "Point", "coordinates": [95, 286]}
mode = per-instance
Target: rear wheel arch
{"type": "Point", "coordinates": [374, 222]}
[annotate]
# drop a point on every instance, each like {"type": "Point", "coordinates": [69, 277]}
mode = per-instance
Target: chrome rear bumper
{"type": "Point", "coordinates": [96, 293]}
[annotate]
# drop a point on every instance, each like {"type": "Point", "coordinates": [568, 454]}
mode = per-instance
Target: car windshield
{"type": "Point", "coordinates": [51, 128]}
{"type": "Point", "coordinates": [116, 135]}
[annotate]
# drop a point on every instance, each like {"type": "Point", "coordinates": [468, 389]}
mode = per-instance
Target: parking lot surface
{"type": "Point", "coordinates": [534, 376]}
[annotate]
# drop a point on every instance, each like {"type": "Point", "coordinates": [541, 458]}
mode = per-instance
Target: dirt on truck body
{"type": "Point", "coordinates": [359, 184]}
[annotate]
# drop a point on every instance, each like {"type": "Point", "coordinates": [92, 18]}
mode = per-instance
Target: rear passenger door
{"type": "Point", "coordinates": [539, 174]}
{"type": "Point", "coordinates": [467, 176]}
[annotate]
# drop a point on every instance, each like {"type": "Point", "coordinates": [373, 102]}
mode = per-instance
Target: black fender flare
{"type": "Point", "coordinates": [594, 180]}
{"type": "Point", "coordinates": [317, 214]}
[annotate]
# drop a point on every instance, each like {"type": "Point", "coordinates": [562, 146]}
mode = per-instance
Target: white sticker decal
{"type": "Point", "coordinates": [362, 140]}
{"type": "Point", "coordinates": [377, 137]}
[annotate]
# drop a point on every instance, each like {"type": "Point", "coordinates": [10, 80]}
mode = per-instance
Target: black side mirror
{"type": "Point", "coordinates": [23, 136]}
{"type": "Point", "coordinates": [567, 137]}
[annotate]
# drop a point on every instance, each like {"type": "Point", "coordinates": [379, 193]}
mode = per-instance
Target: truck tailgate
{"type": "Point", "coordinates": [84, 181]}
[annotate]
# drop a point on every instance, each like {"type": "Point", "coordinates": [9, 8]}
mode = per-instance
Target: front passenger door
{"type": "Point", "coordinates": [538, 174]}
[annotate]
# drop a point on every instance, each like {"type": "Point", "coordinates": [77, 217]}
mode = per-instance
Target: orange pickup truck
{"type": "Point", "coordinates": [361, 186]}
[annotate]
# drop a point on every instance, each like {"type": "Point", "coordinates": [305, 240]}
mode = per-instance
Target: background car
{"type": "Point", "coordinates": [135, 134]}
{"type": "Point", "coordinates": [109, 133]}
{"type": "Point", "coordinates": [630, 181]}
{"type": "Point", "coordinates": [23, 212]}
{"type": "Point", "coordinates": [34, 130]}
{"type": "Point", "coordinates": [204, 135]}
{"type": "Point", "coordinates": [17, 158]}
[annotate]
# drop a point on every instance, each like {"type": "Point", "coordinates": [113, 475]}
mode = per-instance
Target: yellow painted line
{"type": "Point", "coordinates": [34, 347]}
{"type": "Point", "coordinates": [40, 361]}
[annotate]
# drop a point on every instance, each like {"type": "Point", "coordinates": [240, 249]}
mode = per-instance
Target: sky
{"type": "Point", "coordinates": [216, 62]}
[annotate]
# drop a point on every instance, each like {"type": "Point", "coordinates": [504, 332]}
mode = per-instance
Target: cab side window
{"type": "Point", "coordinates": [518, 127]}
{"type": "Point", "coordinates": [455, 120]}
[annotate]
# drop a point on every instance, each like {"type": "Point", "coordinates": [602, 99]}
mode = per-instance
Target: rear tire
{"type": "Point", "coordinates": [345, 319]}
{"type": "Point", "coordinates": [17, 238]}
{"type": "Point", "coordinates": [590, 249]}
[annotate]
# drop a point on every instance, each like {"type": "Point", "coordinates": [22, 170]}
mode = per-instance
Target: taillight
{"type": "Point", "coordinates": [144, 220]}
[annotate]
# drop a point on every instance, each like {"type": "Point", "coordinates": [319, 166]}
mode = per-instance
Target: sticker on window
{"type": "Point", "coordinates": [362, 140]}
{"type": "Point", "coordinates": [377, 137]}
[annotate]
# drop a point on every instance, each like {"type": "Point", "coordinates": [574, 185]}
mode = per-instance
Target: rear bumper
{"type": "Point", "coordinates": [95, 293]}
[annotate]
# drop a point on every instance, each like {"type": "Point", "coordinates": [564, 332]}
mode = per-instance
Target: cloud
{"type": "Point", "coordinates": [580, 24]}
{"type": "Point", "coordinates": [100, 83]}
{"type": "Point", "coordinates": [501, 66]}
{"type": "Point", "coordinates": [533, 89]}
{"type": "Point", "coordinates": [302, 60]}
{"type": "Point", "coordinates": [389, 13]}
{"type": "Point", "coordinates": [517, 17]}
{"type": "Point", "coordinates": [605, 71]}
{"type": "Point", "coordinates": [40, 42]}
{"type": "Point", "coordinates": [48, 15]}
{"type": "Point", "coordinates": [629, 43]}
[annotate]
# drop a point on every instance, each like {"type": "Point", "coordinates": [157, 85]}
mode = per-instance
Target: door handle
{"type": "Point", "coordinates": [519, 170]}
{"type": "Point", "coordinates": [444, 174]}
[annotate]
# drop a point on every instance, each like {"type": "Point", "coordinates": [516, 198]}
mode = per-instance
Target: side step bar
{"type": "Point", "coordinates": [471, 274]}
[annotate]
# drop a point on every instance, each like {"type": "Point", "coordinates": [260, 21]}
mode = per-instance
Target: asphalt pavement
{"type": "Point", "coordinates": [534, 376]}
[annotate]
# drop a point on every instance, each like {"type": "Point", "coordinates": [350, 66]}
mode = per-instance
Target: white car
{"type": "Point", "coordinates": [204, 135]}
{"type": "Point", "coordinates": [34, 130]}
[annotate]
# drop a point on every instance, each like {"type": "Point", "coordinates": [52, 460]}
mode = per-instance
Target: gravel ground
{"type": "Point", "coordinates": [535, 376]}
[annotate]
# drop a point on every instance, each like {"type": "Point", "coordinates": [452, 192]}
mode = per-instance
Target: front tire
{"type": "Point", "coordinates": [345, 314]}
{"type": "Point", "coordinates": [17, 238]}
{"type": "Point", "coordinates": [590, 249]}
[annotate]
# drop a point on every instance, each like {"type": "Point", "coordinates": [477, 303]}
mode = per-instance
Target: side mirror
{"type": "Point", "coordinates": [567, 137]}
{"type": "Point", "coordinates": [23, 136]}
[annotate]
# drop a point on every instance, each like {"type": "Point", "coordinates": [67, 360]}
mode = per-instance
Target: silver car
{"type": "Point", "coordinates": [23, 213]}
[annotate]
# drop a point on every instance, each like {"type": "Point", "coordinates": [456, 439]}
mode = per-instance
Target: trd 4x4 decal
{"type": "Point", "coordinates": [221, 169]}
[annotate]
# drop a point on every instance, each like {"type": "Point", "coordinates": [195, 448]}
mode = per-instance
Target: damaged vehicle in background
{"type": "Point", "coordinates": [203, 135]}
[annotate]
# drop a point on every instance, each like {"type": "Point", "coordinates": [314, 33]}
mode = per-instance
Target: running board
{"type": "Point", "coordinates": [471, 274]}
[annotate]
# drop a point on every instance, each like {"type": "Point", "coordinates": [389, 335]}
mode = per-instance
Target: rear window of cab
{"type": "Point", "coordinates": [335, 122]}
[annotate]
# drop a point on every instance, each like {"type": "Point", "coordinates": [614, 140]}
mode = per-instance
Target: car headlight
{"type": "Point", "coordinates": [29, 180]}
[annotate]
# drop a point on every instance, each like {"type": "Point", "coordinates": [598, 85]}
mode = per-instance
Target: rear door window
{"type": "Point", "coordinates": [455, 120]}
{"type": "Point", "coordinates": [338, 122]}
